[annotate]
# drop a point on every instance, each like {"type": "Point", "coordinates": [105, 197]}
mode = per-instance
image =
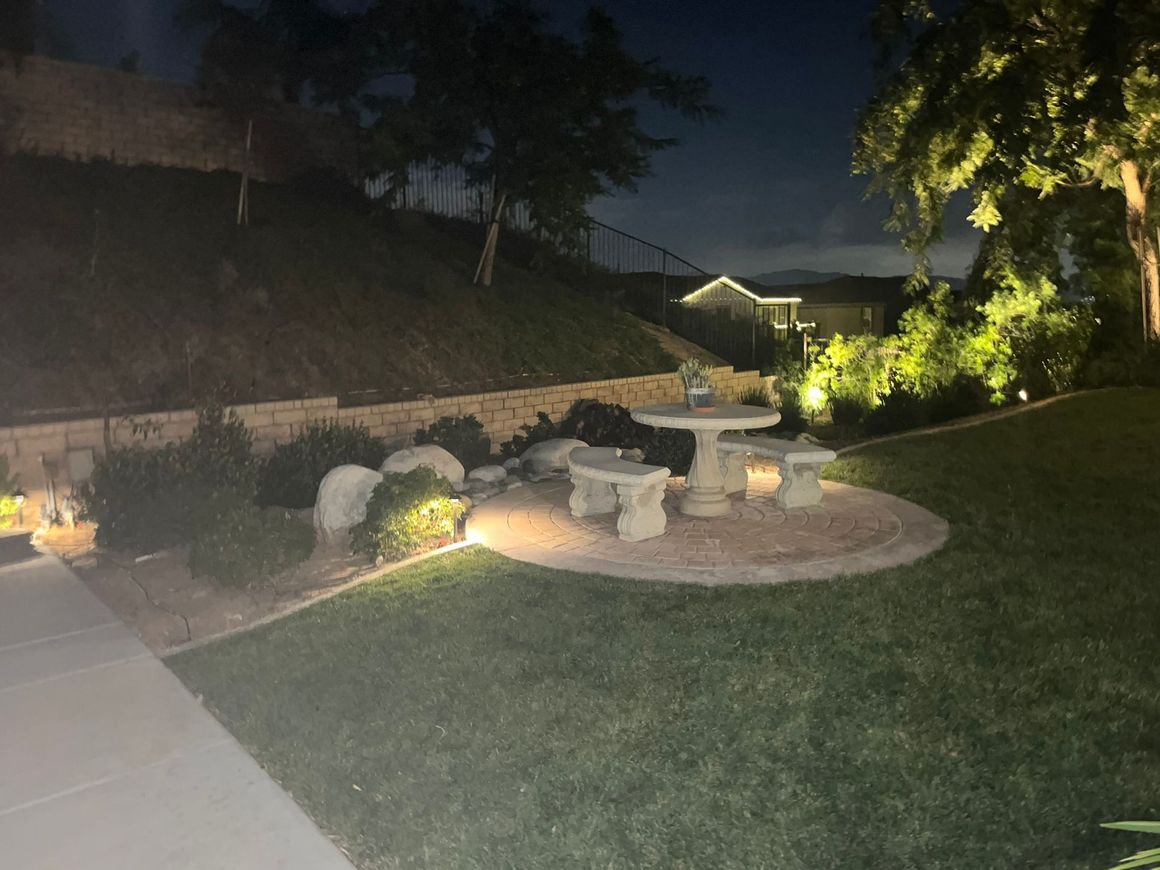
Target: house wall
{"type": "Point", "coordinates": [271, 423]}
{"type": "Point", "coordinates": [85, 113]}
{"type": "Point", "coordinates": [841, 319]}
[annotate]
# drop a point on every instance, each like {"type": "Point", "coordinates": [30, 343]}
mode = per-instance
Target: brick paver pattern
{"type": "Point", "coordinates": [756, 540]}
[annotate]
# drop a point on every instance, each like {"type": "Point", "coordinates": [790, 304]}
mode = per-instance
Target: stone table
{"type": "Point", "coordinates": [705, 485]}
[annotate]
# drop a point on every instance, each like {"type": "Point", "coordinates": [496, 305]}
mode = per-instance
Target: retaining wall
{"type": "Point", "coordinates": [502, 413]}
{"type": "Point", "coordinates": [85, 113]}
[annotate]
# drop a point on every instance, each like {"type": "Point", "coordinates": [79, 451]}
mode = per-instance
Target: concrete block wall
{"type": "Point", "coordinates": [270, 423]}
{"type": "Point", "coordinates": [85, 113]}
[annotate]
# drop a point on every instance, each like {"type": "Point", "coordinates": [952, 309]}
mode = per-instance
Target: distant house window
{"type": "Point", "coordinates": [867, 319]}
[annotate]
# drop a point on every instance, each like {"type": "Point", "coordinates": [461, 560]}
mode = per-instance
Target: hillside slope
{"type": "Point", "coordinates": [135, 287]}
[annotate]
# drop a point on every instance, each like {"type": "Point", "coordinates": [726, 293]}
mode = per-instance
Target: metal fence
{"type": "Point", "coordinates": [642, 278]}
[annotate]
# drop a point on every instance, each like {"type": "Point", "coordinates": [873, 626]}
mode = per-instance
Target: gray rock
{"type": "Point", "coordinates": [431, 455]}
{"type": "Point", "coordinates": [512, 464]}
{"type": "Point", "coordinates": [633, 454]}
{"type": "Point", "coordinates": [342, 499]}
{"type": "Point", "coordinates": [512, 483]}
{"type": "Point", "coordinates": [488, 473]}
{"type": "Point", "coordinates": [550, 455]}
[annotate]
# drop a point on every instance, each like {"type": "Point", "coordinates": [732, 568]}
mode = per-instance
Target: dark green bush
{"type": "Point", "coordinates": [462, 437]}
{"type": "Point", "coordinates": [793, 416]}
{"type": "Point", "coordinates": [244, 543]}
{"type": "Point", "coordinates": [671, 448]}
{"type": "Point", "coordinates": [406, 512]}
{"type": "Point", "coordinates": [897, 412]}
{"type": "Point", "coordinates": [146, 500]}
{"type": "Point", "coordinates": [543, 429]}
{"type": "Point", "coordinates": [139, 498]}
{"type": "Point", "coordinates": [757, 396]}
{"type": "Point", "coordinates": [601, 424]}
{"type": "Point", "coordinates": [962, 397]}
{"type": "Point", "coordinates": [846, 410]}
{"type": "Point", "coordinates": [290, 475]}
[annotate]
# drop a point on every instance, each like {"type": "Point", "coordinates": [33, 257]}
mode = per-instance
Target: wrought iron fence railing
{"type": "Point", "coordinates": [643, 278]}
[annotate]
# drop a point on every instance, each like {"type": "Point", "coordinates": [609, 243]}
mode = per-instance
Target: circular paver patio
{"type": "Point", "coordinates": [853, 530]}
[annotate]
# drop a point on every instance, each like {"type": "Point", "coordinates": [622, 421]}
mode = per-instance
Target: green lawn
{"type": "Point", "coordinates": [987, 707]}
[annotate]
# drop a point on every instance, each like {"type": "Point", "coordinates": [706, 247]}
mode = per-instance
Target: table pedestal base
{"type": "Point", "coordinates": [705, 486]}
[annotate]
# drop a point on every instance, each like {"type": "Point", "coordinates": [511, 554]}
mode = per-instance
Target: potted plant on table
{"type": "Point", "coordinates": [698, 379]}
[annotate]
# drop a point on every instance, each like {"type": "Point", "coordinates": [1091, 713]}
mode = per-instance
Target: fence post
{"type": "Point", "coordinates": [664, 287]}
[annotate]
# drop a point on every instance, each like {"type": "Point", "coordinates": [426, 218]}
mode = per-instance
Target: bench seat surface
{"type": "Point", "coordinates": [774, 448]}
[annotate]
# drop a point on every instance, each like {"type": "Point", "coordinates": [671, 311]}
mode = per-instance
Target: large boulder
{"type": "Point", "coordinates": [342, 499]}
{"type": "Point", "coordinates": [488, 473]}
{"type": "Point", "coordinates": [431, 455]}
{"type": "Point", "coordinates": [549, 456]}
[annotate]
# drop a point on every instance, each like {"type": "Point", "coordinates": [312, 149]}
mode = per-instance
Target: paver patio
{"type": "Point", "coordinates": [853, 530]}
{"type": "Point", "coordinates": [107, 761]}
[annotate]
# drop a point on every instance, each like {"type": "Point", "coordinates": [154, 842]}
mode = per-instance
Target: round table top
{"type": "Point", "coordinates": [720, 417]}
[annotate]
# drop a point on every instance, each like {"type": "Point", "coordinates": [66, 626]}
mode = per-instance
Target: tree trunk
{"type": "Point", "coordinates": [487, 258]}
{"type": "Point", "coordinates": [1143, 246]}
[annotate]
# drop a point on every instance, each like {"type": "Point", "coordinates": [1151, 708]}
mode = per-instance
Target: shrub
{"type": "Point", "coordinates": [147, 500]}
{"type": "Point", "coordinates": [672, 448]}
{"type": "Point", "coordinates": [755, 395]}
{"type": "Point", "coordinates": [217, 457]}
{"type": "Point", "coordinates": [600, 424]}
{"type": "Point", "coordinates": [897, 412]}
{"type": "Point", "coordinates": [290, 476]}
{"type": "Point", "coordinates": [793, 416]}
{"type": "Point", "coordinates": [962, 397]}
{"type": "Point", "coordinates": [9, 490]}
{"type": "Point", "coordinates": [244, 543]}
{"type": "Point", "coordinates": [847, 410]}
{"type": "Point", "coordinates": [462, 437]}
{"type": "Point", "coordinates": [139, 498]}
{"type": "Point", "coordinates": [541, 430]}
{"type": "Point", "coordinates": [406, 512]}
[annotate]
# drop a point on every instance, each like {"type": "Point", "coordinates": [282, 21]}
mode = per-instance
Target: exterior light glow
{"type": "Point", "coordinates": [728, 282]}
{"type": "Point", "coordinates": [1023, 395]}
{"type": "Point", "coordinates": [815, 396]}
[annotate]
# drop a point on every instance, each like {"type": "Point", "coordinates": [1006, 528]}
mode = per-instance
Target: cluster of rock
{"type": "Point", "coordinates": [344, 492]}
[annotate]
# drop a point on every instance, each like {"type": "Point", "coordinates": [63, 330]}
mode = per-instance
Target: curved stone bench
{"type": "Point", "coordinates": [798, 465]}
{"type": "Point", "coordinates": [601, 480]}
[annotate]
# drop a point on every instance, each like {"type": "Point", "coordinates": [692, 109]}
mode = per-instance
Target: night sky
{"type": "Point", "coordinates": [766, 187]}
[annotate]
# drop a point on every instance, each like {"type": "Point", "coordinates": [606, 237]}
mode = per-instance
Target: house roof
{"type": "Point", "coordinates": [747, 288]}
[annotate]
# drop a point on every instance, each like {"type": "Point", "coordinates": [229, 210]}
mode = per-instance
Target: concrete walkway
{"type": "Point", "coordinates": [106, 761]}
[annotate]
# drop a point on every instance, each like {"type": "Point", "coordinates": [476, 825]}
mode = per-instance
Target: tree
{"type": "Point", "coordinates": [545, 120]}
{"type": "Point", "coordinates": [291, 50]}
{"type": "Point", "coordinates": [1010, 97]}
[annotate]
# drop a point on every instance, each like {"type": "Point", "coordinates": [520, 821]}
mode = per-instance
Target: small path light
{"type": "Point", "coordinates": [1023, 397]}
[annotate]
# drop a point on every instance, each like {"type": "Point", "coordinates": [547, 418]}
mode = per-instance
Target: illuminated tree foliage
{"type": "Point", "coordinates": [1018, 101]}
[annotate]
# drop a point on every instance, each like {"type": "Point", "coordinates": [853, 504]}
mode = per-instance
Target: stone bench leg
{"type": "Point", "coordinates": [799, 485]}
{"type": "Point", "coordinates": [734, 471]}
{"type": "Point", "coordinates": [590, 497]}
{"type": "Point", "coordinates": [641, 514]}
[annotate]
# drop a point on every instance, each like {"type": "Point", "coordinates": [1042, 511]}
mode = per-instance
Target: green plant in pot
{"type": "Point", "coordinates": [698, 380]}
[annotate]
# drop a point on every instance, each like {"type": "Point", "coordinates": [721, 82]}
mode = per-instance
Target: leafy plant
{"type": "Point", "coordinates": [793, 416]}
{"type": "Point", "coordinates": [147, 500]}
{"type": "Point", "coordinates": [671, 448]}
{"type": "Point", "coordinates": [962, 397]}
{"type": "Point", "coordinates": [244, 543]}
{"type": "Point", "coordinates": [602, 424]}
{"type": "Point", "coordinates": [291, 474]}
{"type": "Point", "coordinates": [847, 410]}
{"type": "Point", "coordinates": [695, 375]}
{"type": "Point", "coordinates": [406, 512]}
{"type": "Point", "coordinates": [543, 429]}
{"type": "Point", "coordinates": [1143, 858]}
{"type": "Point", "coordinates": [758, 396]}
{"type": "Point", "coordinates": [462, 437]}
{"type": "Point", "coordinates": [138, 498]}
{"type": "Point", "coordinates": [9, 494]}
{"type": "Point", "coordinates": [897, 412]}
